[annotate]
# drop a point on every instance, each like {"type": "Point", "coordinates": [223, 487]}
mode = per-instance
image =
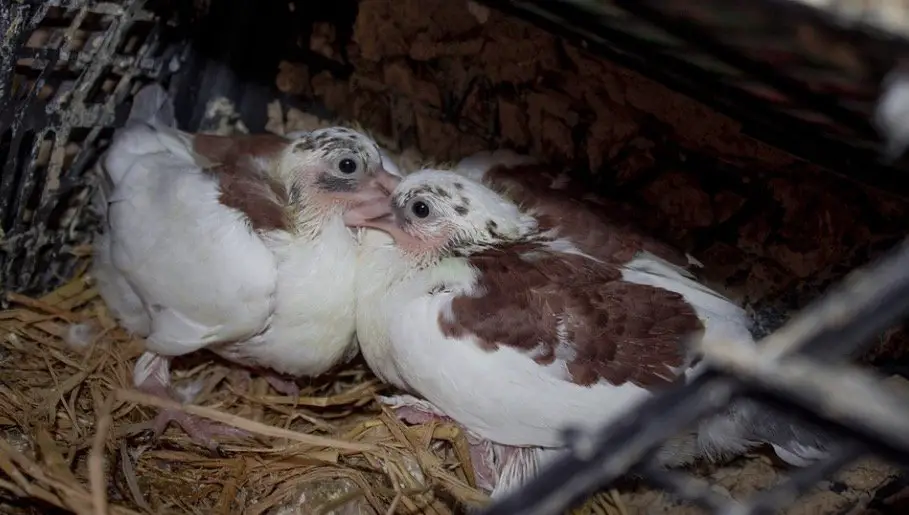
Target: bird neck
{"type": "Point", "coordinates": [312, 215]}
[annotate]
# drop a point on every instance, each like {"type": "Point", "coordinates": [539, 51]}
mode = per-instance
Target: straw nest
{"type": "Point", "coordinates": [74, 432]}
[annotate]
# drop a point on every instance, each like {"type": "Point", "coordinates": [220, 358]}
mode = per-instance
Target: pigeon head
{"type": "Point", "coordinates": [335, 166]}
{"type": "Point", "coordinates": [435, 213]}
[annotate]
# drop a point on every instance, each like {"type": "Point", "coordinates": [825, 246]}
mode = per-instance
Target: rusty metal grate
{"type": "Point", "coordinates": [66, 68]}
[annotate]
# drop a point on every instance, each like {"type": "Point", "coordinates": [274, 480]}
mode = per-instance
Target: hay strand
{"type": "Point", "coordinates": [240, 422]}
{"type": "Point", "coordinates": [96, 459]}
{"type": "Point", "coordinates": [71, 424]}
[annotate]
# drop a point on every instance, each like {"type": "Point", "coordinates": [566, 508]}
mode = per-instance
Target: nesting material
{"type": "Point", "coordinates": [71, 421]}
{"type": "Point", "coordinates": [73, 432]}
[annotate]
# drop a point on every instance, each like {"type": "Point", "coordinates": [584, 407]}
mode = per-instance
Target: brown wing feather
{"type": "Point", "coordinates": [617, 331]}
{"type": "Point", "coordinates": [244, 185]}
{"type": "Point", "coordinates": [603, 231]}
{"type": "Point", "coordinates": [220, 149]}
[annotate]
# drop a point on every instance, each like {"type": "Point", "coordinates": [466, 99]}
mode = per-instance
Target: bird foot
{"type": "Point", "coordinates": [200, 430]}
{"type": "Point", "coordinates": [285, 386]}
{"type": "Point", "coordinates": [482, 452]}
{"type": "Point", "coordinates": [413, 410]}
{"type": "Point", "coordinates": [152, 375]}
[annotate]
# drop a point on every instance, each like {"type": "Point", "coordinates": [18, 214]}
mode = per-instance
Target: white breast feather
{"type": "Point", "coordinates": [313, 324]}
{"type": "Point", "coordinates": [377, 264]}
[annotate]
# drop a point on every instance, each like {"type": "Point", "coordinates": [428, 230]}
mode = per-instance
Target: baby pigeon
{"type": "Point", "coordinates": [515, 334]}
{"type": "Point", "coordinates": [232, 244]}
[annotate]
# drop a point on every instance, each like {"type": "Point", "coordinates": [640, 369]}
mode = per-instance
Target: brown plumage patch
{"type": "Point", "coordinates": [221, 149]}
{"type": "Point", "coordinates": [617, 331]}
{"type": "Point", "coordinates": [244, 185]}
{"type": "Point", "coordinates": [599, 231]}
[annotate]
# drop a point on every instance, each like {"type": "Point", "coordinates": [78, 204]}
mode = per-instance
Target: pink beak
{"type": "Point", "coordinates": [377, 214]}
{"type": "Point", "coordinates": [379, 186]}
{"type": "Point", "coordinates": [376, 211]}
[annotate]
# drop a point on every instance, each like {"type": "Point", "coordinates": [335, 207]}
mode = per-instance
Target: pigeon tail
{"type": "Point", "coordinates": [476, 165]}
{"type": "Point", "coordinates": [150, 130]}
{"type": "Point", "coordinates": [152, 105]}
{"type": "Point", "coordinates": [798, 443]}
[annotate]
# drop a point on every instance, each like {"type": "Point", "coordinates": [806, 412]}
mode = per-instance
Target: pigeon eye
{"type": "Point", "coordinates": [347, 166]}
{"type": "Point", "coordinates": [420, 209]}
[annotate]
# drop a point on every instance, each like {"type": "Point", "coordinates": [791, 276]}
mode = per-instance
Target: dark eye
{"type": "Point", "coordinates": [347, 166]}
{"type": "Point", "coordinates": [420, 209]}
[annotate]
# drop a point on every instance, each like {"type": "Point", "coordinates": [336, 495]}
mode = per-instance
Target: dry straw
{"type": "Point", "coordinates": [73, 432]}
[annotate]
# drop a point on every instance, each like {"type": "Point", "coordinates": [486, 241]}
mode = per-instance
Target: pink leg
{"type": "Point", "coordinates": [483, 453]}
{"type": "Point", "coordinates": [152, 375]}
{"type": "Point", "coordinates": [483, 459]}
{"type": "Point", "coordinates": [286, 386]}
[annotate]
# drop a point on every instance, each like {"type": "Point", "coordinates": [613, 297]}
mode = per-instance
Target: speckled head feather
{"type": "Point", "coordinates": [480, 215]}
{"type": "Point", "coordinates": [292, 184]}
{"type": "Point", "coordinates": [343, 156]}
{"type": "Point", "coordinates": [434, 213]}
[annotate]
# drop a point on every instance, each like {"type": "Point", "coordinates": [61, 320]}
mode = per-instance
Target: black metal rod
{"type": "Point", "coordinates": [613, 451]}
{"type": "Point", "coordinates": [769, 501]}
{"type": "Point", "coordinates": [696, 36]}
{"type": "Point", "coordinates": [842, 395]}
{"type": "Point", "coordinates": [863, 304]}
{"type": "Point", "coordinates": [687, 488]}
{"type": "Point", "coordinates": [800, 138]}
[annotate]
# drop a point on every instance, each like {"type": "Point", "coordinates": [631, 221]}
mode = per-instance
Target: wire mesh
{"type": "Point", "coordinates": [66, 68]}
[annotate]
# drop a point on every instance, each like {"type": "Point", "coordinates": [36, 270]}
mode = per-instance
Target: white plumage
{"type": "Point", "coordinates": [234, 245]}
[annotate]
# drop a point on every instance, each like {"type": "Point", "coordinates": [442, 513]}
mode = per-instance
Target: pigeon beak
{"type": "Point", "coordinates": [376, 213]}
{"type": "Point", "coordinates": [378, 187]}
{"type": "Point", "coordinates": [387, 180]}
{"type": "Point", "coordinates": [368, 212]}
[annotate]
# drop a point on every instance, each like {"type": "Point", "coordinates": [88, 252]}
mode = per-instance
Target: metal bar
{"type": "Point", "coordinates": [599, 458]}
{"type": "Point", "coordinates": [693, 34]}
{"type": "Point", "coordinates": [795, 136]}
{"type": "Point", "coordinates": [866, 302]}
{"type": "Point", "coordinates": [687, 488]}
{"type": "Point", "coordinates": [769, 501]}
{"type": "Point", "coordinates": [842, 395]}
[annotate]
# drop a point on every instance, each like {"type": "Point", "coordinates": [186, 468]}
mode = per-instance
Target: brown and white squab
{"type": "Point", "coordinates": [232, 244]}
{"type": "Point", "coordinates": [512, 331]}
